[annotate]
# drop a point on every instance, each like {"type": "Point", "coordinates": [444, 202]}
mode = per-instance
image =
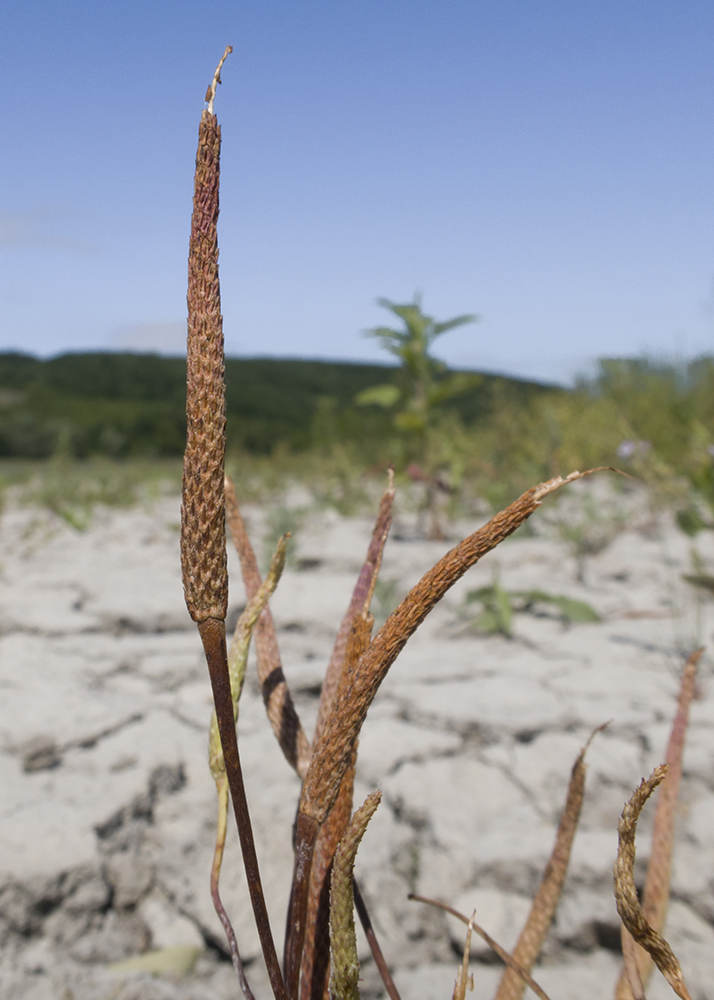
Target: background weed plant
{"type": "Point", "coordinates": [416, 401]}
{"type": "Point", "coordinates": [491, 610]}
{"type": "Point", "coordinates": [588, 531]}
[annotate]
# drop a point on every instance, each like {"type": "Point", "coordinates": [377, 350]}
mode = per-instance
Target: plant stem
{"type": "Point", "coordinates": [213, 636]}
{"type": "Point", "coordinates": [377, 954]}
{"type": "Point", "coordinates": [221, 830]}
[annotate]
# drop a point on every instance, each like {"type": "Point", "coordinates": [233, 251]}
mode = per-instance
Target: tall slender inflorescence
{"type": "Point", "coordinates": [203, 519]}
{"type": "Point", "coordinates": [628, 903]}
{"type": "Point", "coordinates": [203, 509]}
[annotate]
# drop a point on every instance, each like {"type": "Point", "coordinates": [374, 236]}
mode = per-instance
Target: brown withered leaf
{"type": "Point", "coordinates": [238, 652]}
{"type": "Point", "coordinates": [221, 830]}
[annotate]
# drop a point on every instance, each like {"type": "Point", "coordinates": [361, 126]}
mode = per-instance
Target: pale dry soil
{"type": "Point", "coordinates": [107, 807]}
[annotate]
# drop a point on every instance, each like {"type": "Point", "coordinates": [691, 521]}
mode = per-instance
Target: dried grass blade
{"type": "Point", "coordinates": [656, 891]}
{"type": "Point", "coordinates": [546, 901]}
{"type": "Point", "coordinates": [359, 604]}
{"type": "Point", "coordinates": [276, 695]}
{"type": "Point", "coordinates": [344, 972]}
{"type": "Point", "coordinates": [463, 980]}
{"type": "Point", "coordinates": [495, 947]}
{"type": "Point", "coordinates": [628, 905]}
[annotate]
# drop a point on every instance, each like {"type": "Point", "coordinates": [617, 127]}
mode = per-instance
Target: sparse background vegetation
{"type": "Point", "coordinates": [291, 420]}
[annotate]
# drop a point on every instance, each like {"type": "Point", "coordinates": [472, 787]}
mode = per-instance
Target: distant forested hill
{"type": "Point", "coordinates": [122, 403]}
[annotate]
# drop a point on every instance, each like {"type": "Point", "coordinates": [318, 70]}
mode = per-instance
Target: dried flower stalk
{"type": "Point", "coordinates": [628, 905]}
{"type": "Point", "coordinates": [315, 945]}
{"type": "Point", "coordinates": [316, 949]}
{"type": "Point", "coordinates": [344, 972]}
{"type": "Point", "coordinates": [656, 892]}
{"type": "Point", "coordinates": [315, 965]}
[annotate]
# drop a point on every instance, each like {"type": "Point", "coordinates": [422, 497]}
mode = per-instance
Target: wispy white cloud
{"type": "Point", "coordinates": [40, 228]}
{"type": "Point", "coordinates": [166, 338]}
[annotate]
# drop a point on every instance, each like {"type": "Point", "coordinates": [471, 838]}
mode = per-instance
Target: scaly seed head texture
{"type": "Point", "coordinates": [203, 548]}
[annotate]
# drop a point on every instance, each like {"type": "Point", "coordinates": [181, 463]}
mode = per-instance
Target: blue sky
{"type": "Point", "coordinates": [548, 165]}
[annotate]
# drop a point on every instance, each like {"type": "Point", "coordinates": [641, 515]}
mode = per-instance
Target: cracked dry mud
{"type": "Point", "coordinates": [107, 809]}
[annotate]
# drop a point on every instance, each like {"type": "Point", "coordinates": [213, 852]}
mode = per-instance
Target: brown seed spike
{"type": "Point", "coordinates": [333, 749]}
{"type": "Point", "coordinates": [344, 971]}
{"type": "Point", "coordinates": [656, 891]}
{"type": "Point", "coordinates": [203, 542]}
{"type": "Point", "coordinates": [628, 905]}
{"type": "Point", "coordinates": [531, 940]}
{"type": "Point", "coordinates": [359, 604]}
{"type": "Point", "coordinates": [203, 547]}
